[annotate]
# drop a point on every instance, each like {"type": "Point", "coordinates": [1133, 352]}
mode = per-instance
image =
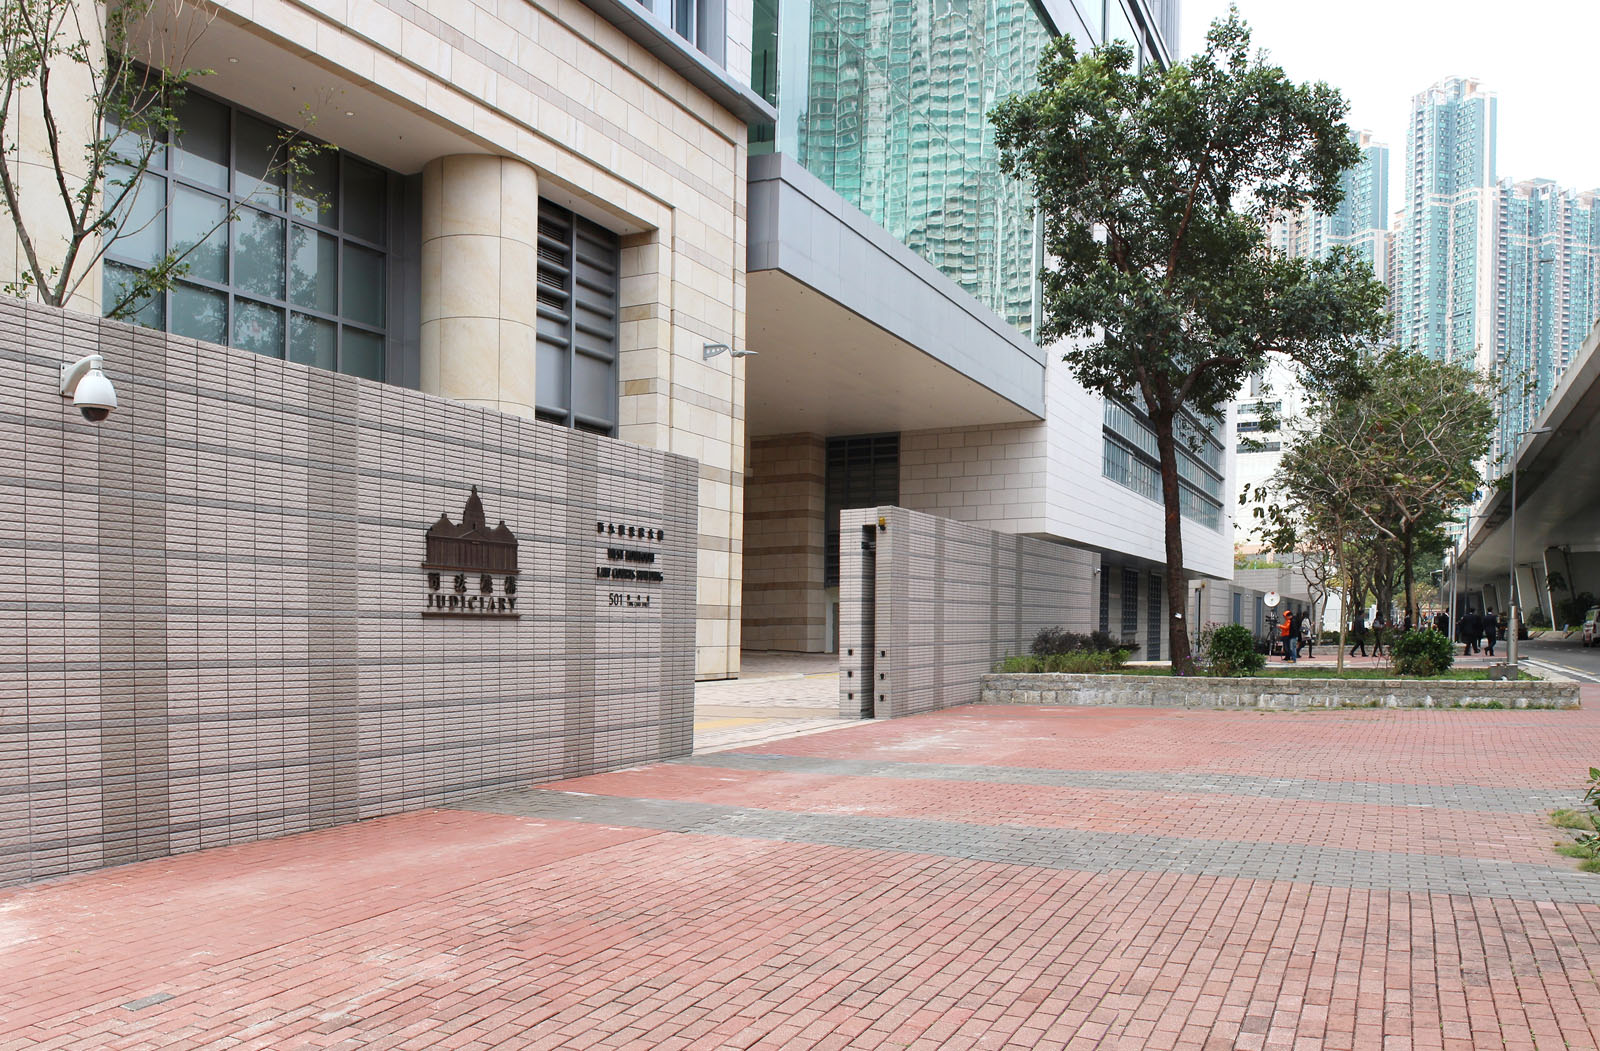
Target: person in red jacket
{"type": "Point", "coordinates": [1291, 641]}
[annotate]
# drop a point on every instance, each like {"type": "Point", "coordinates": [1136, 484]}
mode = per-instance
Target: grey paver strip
{"type": "Point", "coordinates": [1067, 848]}
{"type": "Point", "coordinates": [1374, 793]}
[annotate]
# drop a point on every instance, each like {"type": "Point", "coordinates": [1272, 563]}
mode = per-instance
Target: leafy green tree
{"type": "Point", "coordinates": [1381, 468]}
{"type": "Point", "coordinates": [1421, 428]}
{"type": "Point", "coordinates": [1155, 187]}
{"type": "Point", "coordinates": [1322, 489]}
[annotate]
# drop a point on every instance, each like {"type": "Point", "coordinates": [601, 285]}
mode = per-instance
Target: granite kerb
{"type": "Point", "coordinates": [1162, 691]}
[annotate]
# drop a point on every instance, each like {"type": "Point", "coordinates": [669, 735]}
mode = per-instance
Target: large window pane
{"type": "Point", "coordinates": [259, 163]}
{"type": "Point", "coordinates": [316, 187]}
{"type": "Point", "coordinates": [366, 206]}
{"type": "Point", "coordinates": [314, 270]}
{"type": "Point", "coordinates": [258, 327]}
{"type": "Point", "coordinates": [1093, 12]}
{"type": "Point", "coordinates": [200, 151]}
{"type": "Point", "coordinates": [130, 141]}
{"type": "Point", "coordinates": [140, 202]}
{"type": "Point", "coordinates": [362, 354]}
{"type": "Point", "coordinates": [258, 253]}
{"type": "Point", "coordinates": [879, 113]}
{"type": "Point", "coordinates": [116, 282]}
{"type": "Point", "coordinates": [1119, 26]}
{"type": "Point", "coordinates": [313, 341]}
{"type": "Point", "coordinates": [363, 286]}
{"type": "Point", "coordinates": [214, 198]}
{"type": "Point", "coordinates": [199, 313]}
{"type": "Point", "coordinates": [199, 222]}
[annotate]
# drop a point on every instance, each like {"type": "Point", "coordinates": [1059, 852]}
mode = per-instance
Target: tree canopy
{"type": "Point", "coordinates": [1155, 187]}
{"type": "Point", "coordinates": [1385, 467]}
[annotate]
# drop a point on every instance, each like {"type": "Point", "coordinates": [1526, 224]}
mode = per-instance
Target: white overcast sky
{"type": "Point", "coordinates": [1539, 58]}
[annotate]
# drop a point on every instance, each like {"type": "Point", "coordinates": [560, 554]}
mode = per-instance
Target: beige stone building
{"type": "Point", "coordinates": [533, 207]}
{"type": "Point", "coordinates": [592, 212]}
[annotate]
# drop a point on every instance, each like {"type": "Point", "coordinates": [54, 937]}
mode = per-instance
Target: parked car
{"type": "Point", "coordinates": [1591, 624]}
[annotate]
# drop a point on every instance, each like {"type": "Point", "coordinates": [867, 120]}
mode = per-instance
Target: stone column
{"type": "Point", "coordinates": [479, 309]}
{"type": "Point", "coordinates": [43, 212]}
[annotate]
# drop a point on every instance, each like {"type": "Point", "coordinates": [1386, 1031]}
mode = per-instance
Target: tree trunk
{"type": "Point", "coordinates": [1177, 581]}
{"type": "Point", "coordinates": [1411, 598]}
{"type": "Point", "coordinates": [1344, 614]}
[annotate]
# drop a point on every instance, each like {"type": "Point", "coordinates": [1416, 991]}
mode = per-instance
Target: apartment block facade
{"type": "Point", "coordinates": [1360, 223]}
{"type": "Point", "coordinates": [1547, 294]}
{"type": "Point", "coordinates": [1444, 248]}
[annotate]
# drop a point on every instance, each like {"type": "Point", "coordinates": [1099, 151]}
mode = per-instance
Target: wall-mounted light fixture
{"type": "Point", "coordinates": [84, 381]}
{"type": "Point", "coordinates": [713, 349]}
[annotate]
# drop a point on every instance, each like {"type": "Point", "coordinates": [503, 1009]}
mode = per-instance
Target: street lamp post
{"type": "Point", "coordinates": [1455, 574]}
{"type": "Point", "coordinates": [1511, 559]}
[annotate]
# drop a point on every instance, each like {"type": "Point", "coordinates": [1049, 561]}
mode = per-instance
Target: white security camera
{"type": "Point", "coordinates": [84, 381]}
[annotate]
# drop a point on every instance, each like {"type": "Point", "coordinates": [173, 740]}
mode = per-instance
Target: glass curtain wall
{"type": "Point", "coordinates": [296, 271]}
{"type": "Point", "coordinates": [886, 101]}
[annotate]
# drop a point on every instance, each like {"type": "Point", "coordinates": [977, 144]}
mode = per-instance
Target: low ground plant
{"type": "Point", "coordinates": [1050, 641]}
{"type": "Point", "coordinates": [1058, 650]}
{"type": "Point", "coordinates": [1423, 653]}
{"type": "Point", "coordinates": [1229, 650]}
{"type": "Point", "coordinates": [1082, 662]}
{"type": "Point", "coordinates": [1584, 825]}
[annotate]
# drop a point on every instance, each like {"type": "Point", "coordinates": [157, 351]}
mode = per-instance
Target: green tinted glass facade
{"type": "Point", "coordinates": [886, 102]}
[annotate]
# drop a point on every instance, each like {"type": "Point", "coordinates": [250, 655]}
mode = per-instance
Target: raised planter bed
{"type": "Point", "coordinates": [1162, 691]}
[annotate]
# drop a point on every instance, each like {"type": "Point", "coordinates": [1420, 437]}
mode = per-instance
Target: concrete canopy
{"type": "Point", "coordinates": [1558, 479]}
{"type": "Point", "coordinates": [824, 369]}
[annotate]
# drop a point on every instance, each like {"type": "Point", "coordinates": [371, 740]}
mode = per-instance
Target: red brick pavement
{"type": "Point", "coordinates": [453, 929]}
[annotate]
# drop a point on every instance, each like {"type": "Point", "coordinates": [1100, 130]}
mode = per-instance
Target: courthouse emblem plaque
{"type": "Point", "coordinates": [472, 569]}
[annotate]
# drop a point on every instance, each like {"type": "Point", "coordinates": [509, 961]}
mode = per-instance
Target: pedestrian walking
{"type": "Point", "coordinates": [1491, 630]}
{"type": "Point", "coordinates": [1471, 632]}
{"type": "Point", "coordinates": [1441, 623]}
{"type": "Point", "coordinates": [1378, 628]}
{"type": "Point", "coordinates": [1308, 635]}
{"type": "Point", "coordinates": [1358, 632]}
{"type": "Point", "coordinates": [1291, 641]}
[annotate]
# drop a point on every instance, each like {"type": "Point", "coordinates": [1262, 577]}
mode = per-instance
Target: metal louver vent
{"type": "Point", "coordinates": [578, 281]}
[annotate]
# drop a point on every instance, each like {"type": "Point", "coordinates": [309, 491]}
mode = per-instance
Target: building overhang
{"type": "Point", "coordinates": [857, 334]}
{"type": "Point", "coordinates": [649, 32]}
{"type": "Point", "coordinates": [1558, 477]}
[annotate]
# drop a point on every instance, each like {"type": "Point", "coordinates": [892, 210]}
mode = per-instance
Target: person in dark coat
{"type": "Point", "coordinates": [1358, 632]}
{"type": "Point", "coordinates": [1471, 632]}
{"type": "Point", "coordinates": [1308, 635]}
{"type": "Point", "coordinates": [1491, 631]}
{"type": "Point", "coordinates": [1441, 623]}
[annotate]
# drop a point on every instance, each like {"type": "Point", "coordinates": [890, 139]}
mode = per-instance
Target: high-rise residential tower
{"type": "Point", "coordinates": [1360, 222]}
{"type": "Point", "coordinates": [1444, 294]}
{"type": "Point", "coordinates": [1547, 294]}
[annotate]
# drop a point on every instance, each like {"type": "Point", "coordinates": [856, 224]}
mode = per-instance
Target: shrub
{"type": "Point", "coordinates": [1537, 619]}
{"type": "Point", "coordinates": [1570, 610]}
{"type": "Point", "coordinates": [1082, 662]}
{"type": "Point", "coordinates": [1426, 652]}
{"type": "Point", "coordinates": [1231, 650]}
{"type": "Point", "coordinates": [1056, 640]}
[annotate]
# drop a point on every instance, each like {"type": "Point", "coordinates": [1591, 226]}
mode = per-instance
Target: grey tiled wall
{"type": "Point", "coordinates": [210, 625]}
{"type": "Point", "coordinates": [927, 606]}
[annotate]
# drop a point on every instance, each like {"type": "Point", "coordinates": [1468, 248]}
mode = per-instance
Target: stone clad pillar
{"type": "Point", "coordinates": [479, 308]}
{"type": "Point", "coordinates": [28, 155]}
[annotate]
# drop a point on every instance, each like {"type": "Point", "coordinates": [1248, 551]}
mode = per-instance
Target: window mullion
{"type": "Point", "coordinates": [572, 320]}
